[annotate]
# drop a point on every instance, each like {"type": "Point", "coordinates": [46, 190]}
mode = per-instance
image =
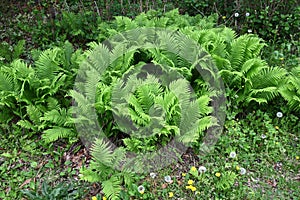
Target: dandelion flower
{"type": "Point", "coordinates": [168, 179]}
{"type": "Point", "coordinates": [237, 168]}
{"type": "Point", "coordinates": [141, 189]}
{"type": "Point", "coordinates": [236, 14]}
{"type": "Point", "coordinates": [279, 114]}
{"type": "Point", "coordinates": [297, 157]}
{"type": "Point", "coordinates": [232, 154]}
{"type": "Point", "coordinates": [276, 127]}
{"type": "Point", "coordinates": [193, 169]}
{"type": "Point", "coordinates": [171, 194]}
{"type": "Point", "coordinates": [247, 14]}
{"type": "Point", "coordinates": [202, 169]}
{"type": "Point", "coordinates": [104, 198]}
{"type": "Point", "coordinates": [183, 174]}
{"type": "Point", "coordinates": [242, 171]}
{"type": "Point", "coordinates": [193, 188]}
{"type": "Point", "coordinates": [94, 198]}
{"type": "Point", "coordinates": [224, 17]}
{"type": "Point", "coordinates": [218, 174]}
{"type": "Point", "coordinates": [152, 175]}
{"type": "Point", "coordinates": [190, 182]}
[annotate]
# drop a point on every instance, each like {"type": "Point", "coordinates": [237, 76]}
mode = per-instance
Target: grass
{"type": "Point", "coordinates": [266, 147]}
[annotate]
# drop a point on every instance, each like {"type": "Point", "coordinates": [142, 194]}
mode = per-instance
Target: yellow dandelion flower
{"type": "Point", "coordinates": [276, 127]}
{"type": "Point", "coordinates": [104, 198]}
{"type": "Point", "coordinates": [183, 174]}
{"type": "Point", "coordinates": [193, 188]}
{"type": "Point", "coordinates": [218, 174]}
{"type": "Point", "coordinates": [171, 194]}
{"type": "Point", "coordinates": [237, 168]}
{"type": "Point", "coordinates": [224, 17]}
{"type": "Point", "coordinates": [193, 169]}
{"type": "Point", "coordinates": [190, 182]}
{"type": "Point", "coordinates": [94, 198]}
{"type": "Point", "coordinates": [188, 187]}
{"type": "Point", "coordinates": [297, 157]}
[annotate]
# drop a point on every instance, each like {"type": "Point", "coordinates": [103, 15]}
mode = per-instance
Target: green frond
{"type": "Point", "coordinates": [112, 188]}
{"type": "Point", "coordinates": [244, 48]}
{"type": "Point", "coordinates": [48, 64]}
{"type": "Point", "coordinates": [34, 114]}
{"type": "Point", "coordinates": [6, 82]}
{"type": "Point", "coordinates": [290, 91]}
{"type": "Point", "coordinates": [26, 124]}
{"type": "Point", "coordinates": [102, 152]}
{"type": "Point", "coordinates": [56, 116]}
{"type": "Point", "coordinates": [252, 67]}
{"type": "Point", "coordinates": [55, 133]}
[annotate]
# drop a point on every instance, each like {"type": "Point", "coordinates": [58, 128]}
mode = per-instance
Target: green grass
{"type": "Point", "coordinates": [265, 145]}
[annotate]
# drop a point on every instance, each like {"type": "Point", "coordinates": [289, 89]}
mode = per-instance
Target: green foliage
{"type": "Point", "coordinates": [291, 89]}
{"type": "Point", "coordinates": [33, 96]}
{"type": "Point", "coordinates": [61, 191]}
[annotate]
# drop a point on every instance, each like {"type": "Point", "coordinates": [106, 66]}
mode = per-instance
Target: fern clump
{"type": "Point", "coordinates": [34, 95]}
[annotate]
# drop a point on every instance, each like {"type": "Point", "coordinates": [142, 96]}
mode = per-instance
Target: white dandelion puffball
{"type": "Point", "coordinates": [152, 175]}
{"type": "Point", "coordinates": [236, 14]}
{"type": "Point", "coordinates": [168, 179]}
{"type": "Point", "coordinates": [279, 114]}
{"type": "Point", "coordinates": [202, 169]}
{"type": "Point", "coordinates": [232, 154]}
{"type": "Point", "coordinates": [242, 171]}
{"type": "Point", "coordinates": [141, 189]}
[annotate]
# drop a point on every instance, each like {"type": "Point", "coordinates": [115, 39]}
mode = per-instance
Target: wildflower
{"type": "Point", "coordinates": [232, 154]}
{"type": "Point", "coordinates": [279, 114]}
{"type": "Point", "coordinates": [276, 127]}
{"type": "Point", "coordinates": [104, 198]}
{"type": "Point", "coordinates": [236, 14]}
{"type": "Point", "coordinates": [193, 188]}
{"type": "Point", "coordinates": [152, 175]}
{"type": "Point", "coordinates": [249, 31]}
{"type": "Point", "coordinates": [263, 136]}
{"type": "Point", "coordinates": [218, 174]}
{"type": "Point", "coordinates": [297, 157]}
{"type": "Point", "coordinates": [247, 14]}
{"type": "Point", "coordinates": [168, 179]}
{"type": "Point", "coordinates": [171, 194]}
{"type": "Point", "coordinates": [183, 174]}
{"type": "Point", "coordinates": [94, 198]}
{"type": "Point", "coordinates": [202, 169]}
{"type": "Point", "coordinates": [141, 189]}
{"type": "Point", "coordinates": [242, 171]}
{"type": "Point", "coordinates": [193, 169]}
{"type": "Point", "coordinates": [281, 58]}
{"type": "Point", "coordinates": [224, 17]}
{"type": "Point", "coordinates": [190, 182]}
{"type": "Point", "coordinates": [237, 168]}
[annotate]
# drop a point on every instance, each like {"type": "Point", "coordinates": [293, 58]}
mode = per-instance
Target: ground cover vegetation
{"type": "Point", "coordinates": [45, 45]}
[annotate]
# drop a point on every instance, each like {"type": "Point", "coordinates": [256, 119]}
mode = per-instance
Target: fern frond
{"type": "Point", "coordinates": [102, 152]}
{"type": "Point", "coordinates": [47, 66]}
{"type": "Point", "coordinates": [55, 133]}
{"type": "Point", "coordinates": [112, 188]}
